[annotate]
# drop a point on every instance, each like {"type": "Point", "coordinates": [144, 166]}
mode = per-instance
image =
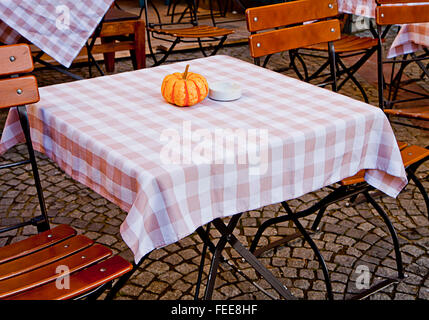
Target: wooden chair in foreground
{"type": "Point", "coordinates": [56, 263]}
{"type": "Point", "coordinates": [281, 17]}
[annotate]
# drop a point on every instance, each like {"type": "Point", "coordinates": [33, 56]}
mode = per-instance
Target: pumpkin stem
{"type": "Point", "coordinates": [185, 74]}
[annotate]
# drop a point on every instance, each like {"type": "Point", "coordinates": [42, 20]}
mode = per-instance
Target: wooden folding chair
{"type": "Point", "coordinates": [388, 13]}
{"type": "Point", "coordinates": [56, 263]}
{"type": "Point", "coordinates": [348, 46]}
{"type": "Point", "coordinates": [292, 28]}
{"type": "Point", "coordinates": [121, 31]}
{"type": "Point", "coordinates": [185, 30]}
{"type": "Point", "coordinates": [289, 38]}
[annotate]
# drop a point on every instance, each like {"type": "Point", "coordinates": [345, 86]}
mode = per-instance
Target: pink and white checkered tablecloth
{"type": "Point", "coordinates": [411, 37]}
{"type": "Point", "coordinates": [175, 169]}
{"type": "Point", "coordinates": [60, 28]}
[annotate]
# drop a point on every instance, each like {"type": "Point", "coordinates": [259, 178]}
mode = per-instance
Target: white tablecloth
{"type": "Point", "coordinates": [172, 169]}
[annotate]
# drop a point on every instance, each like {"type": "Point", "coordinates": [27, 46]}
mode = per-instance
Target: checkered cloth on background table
{"type": "Point", "coordinates": [410, 38]}
{"type": "Point", "coordinates": [59, 28]}
{"type": "Point", "coordinates": [109, 133]}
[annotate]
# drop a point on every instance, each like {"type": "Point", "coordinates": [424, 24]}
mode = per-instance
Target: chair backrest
{"type": "Point", "coordinates": [389, 12]}
{"type": "Point", "coordinates": [17, 90]}
{"type": "Point", "coordinates": [296, 25]}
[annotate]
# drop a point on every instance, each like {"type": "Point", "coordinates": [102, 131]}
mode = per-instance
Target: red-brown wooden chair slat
{"type": "Point", "coordinates": [270, 42]}
{"type": "Point", "coordinates": [419, 113]}
{"type": "Point", "coordinates": [36, 242]}
{"type": "Point", "coordinates": [357, 178]}
{"type": "Point", "coordinates": [398, 1]}
{"type": "Point", "coordinates": [272, 16]}
{"type": "Point", "coordinates": [413, 154]}
{"type": "Point", "coordinates": [15, 59]}
{"type": "Point", "coordinates": [196, 32]}
{"type": "Point", "coordinates": [347, 44]}
{"type": "Point", "coordinates": [402, 145]}
{"type": "Point", "coordinates": [49, 273]}
{"type": "Point", "coordinates": [18, 91]}
{"type": "Point", "coordinates": [360, 44]}
{"type": "Point", "coordinates": [389, 15]}
{"type": "Point", "coordinates": [44, 256]}
{"type": "Point", "coordinates": [196, 28]}
{"type": "Point", "coordinates": [80, 282]}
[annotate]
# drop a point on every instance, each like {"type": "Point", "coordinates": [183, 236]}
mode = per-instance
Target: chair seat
{"type": "Point", "coordinates": [53, 254]}
{"type": "Point", "coordinates": [114, 14]}
{"type": "Point", "coordinates": [421, 113]}
{"type": "Point", "coordinates": [410, 155]}
{"type": "Point", "coordinates": [347, 43]}
{"type": "Point", "coordinates": [194, 32]}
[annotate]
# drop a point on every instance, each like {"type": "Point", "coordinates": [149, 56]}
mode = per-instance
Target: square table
{"type": "Point", "coordinates": [176, 169]}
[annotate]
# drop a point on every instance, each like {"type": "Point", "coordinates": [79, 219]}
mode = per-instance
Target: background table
{"type": "Point", "coordinates": [108, 133]}
{"type": "Point", "coordinates": [38, 21]}
{"type": "Point", "coordinates": [411, 37]}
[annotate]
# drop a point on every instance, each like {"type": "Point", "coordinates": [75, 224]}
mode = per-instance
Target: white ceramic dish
{"type": "Point", "coordinates": [224, 91]}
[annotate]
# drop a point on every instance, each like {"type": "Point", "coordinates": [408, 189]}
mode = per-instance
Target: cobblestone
{"type": "Point", "coordinates": [349, 236]}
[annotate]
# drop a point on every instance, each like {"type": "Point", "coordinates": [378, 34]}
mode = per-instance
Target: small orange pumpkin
{"type": "Point", "coordinates": [184, 89]}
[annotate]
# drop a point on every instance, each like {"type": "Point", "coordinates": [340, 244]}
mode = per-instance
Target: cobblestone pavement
{"type": "Point", "coordinates": [348, 237]}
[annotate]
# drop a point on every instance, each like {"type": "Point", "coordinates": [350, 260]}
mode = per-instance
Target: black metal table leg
{"type": "Point", "coordinates": [204, 235]}
{"type": "Point", "coordinates": [217, 256]}
{"type": "Point", "coordinates": [228, 237]}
